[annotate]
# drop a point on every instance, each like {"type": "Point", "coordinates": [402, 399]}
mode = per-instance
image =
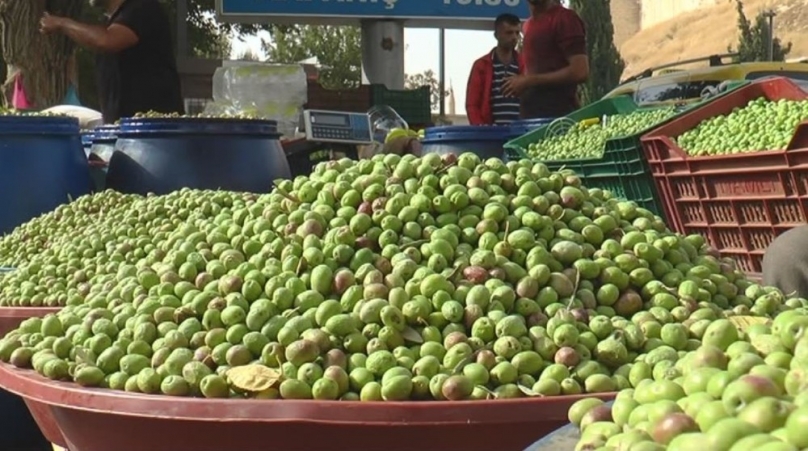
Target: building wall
{"type": "Point", "coordinates": [656, 11]}
{"type": "Point", "coordinates": [626, 19]}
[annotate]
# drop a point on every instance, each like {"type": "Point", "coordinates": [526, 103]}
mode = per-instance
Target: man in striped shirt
{"type": "Point", "coordinates": [486, 104]}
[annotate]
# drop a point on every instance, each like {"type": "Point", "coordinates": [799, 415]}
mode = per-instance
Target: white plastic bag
{"type": "Point", "coordinates": [87, 118]}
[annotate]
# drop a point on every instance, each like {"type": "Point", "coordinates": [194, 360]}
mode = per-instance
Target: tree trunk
{"type": "Point", "coordinates": [43, 60]}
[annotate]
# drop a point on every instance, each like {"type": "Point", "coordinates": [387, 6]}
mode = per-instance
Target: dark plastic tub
{"type": "Point", "coordinates": [486, 141]}
{"type": "Point", "coordinates": [104, 139]}
{"type": "Point", "coordinates": [98, 174]}
{"type": "Point", "coordinates": [42, 165]}
{"type": "Point", "coordinates": [96, 420]}
{"type": "Point", "coordinates": [157, 155]}
{"type": "Point", "coordinates": [87, 141]}
{"type": "Point", "coordinates": [19, 430]}
{"type": "Point", "coordinates": [27, 425]}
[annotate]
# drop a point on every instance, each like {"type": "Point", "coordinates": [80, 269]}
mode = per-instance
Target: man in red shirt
{"type": "Point", "coordinates": [486, 102]}
{"type": "Point", "coordinates": [556, 63]}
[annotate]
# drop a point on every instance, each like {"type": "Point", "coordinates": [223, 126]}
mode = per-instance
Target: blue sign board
{"type": "Point", "coordinates": [423, 11]}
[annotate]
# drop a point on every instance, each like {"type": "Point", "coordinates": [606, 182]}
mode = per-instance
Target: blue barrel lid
{"type": "Point", "coordinates": [87, 137]}
{"type": "Point", "coordinates": [106, 133]}
{"type": "Point", "coordinates": [519, 128]}
{"type": "Point", "coordinates": [466, 133]}
{"type": "Point", "coordinates": [194, 125]}
{"type": "Point", "coordinates": [38, 125]}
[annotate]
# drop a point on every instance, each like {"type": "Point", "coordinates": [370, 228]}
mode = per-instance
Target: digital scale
{"type": "Point", "coordinates": [337, 127]}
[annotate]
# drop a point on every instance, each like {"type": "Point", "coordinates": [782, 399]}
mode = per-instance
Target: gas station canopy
{"type": "Point", "coordinates": [459, 14]}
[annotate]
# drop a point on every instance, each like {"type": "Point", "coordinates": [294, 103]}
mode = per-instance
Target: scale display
{"type": "Point", "coordinates": [337, 127]}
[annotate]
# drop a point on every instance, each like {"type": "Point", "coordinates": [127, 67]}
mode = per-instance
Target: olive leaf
{"type": "Point", "coordinates": [744, 322]}
{"type": "Point", "coordinates": [285, 194]}
{"type": "Point", "coordinates": [459, 367]}
{"type": "Point", "coordinates": [82, 356]}
{"type": "Point", "coordinates": [300, 265]}
{"type": "Point", "coordinates": [446, 168]}
{"type": "Point", "coordinates": [412, 335]}
{"type": "Point", "coordinates": [413, 244]}
{"type": "Point", "coordinates": [574, 289]}
{"type": "Point", "coordinates": [528, 391]}
{"type": "Point", "coordinates": [490, 393]}
{"type": "Point", "coordinates": [253, 378]}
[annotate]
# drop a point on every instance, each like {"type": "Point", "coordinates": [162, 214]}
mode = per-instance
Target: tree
{"type": "Point", "coordinates": [216, 46]}
{"type": "Point", "coordinates": [43, 60]}
{"type": "Point", "coordinates": [753, 39]}
{"type": "Point", "coordinates": [248, 55]}
{"type": "Point", "coordinates": [338, 50]}
{"type": "Point", "coordinates": [204, 32]}
{"type": "Point", "coordinates": [605, 63]}
{"type": "Point", "coordinates": [426, 78]}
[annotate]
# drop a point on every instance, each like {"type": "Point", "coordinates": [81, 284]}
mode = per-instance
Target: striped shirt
{"type": "Point", "coordinates": [504, 109]}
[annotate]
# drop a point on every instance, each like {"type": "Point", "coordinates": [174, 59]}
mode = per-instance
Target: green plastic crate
{"type": "Point", "coordinates": [413, 105]}
{"type": "Point", "coordinates": [623, 168]}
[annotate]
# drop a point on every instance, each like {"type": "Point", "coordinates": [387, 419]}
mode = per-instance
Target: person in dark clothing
{"type": "Point", "coordinates": [555, 61]}
{"type": "Point", "coordinates": [785, 262]}
{"type": "Point", "coordinates": [137, 71]}
{"type": "Point", "coordinates": [485, 102]}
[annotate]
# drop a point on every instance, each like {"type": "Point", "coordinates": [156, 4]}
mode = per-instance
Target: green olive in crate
{"type": "Point", "coordinates": [759, 126]}
{"type": "Point", "coordinates": [585, 140]}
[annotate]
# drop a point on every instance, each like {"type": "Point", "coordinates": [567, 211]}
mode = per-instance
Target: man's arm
{"type": "Point", "coordinates": [112, 39]}
{"type": "Point", "coordinates": [474, 96]}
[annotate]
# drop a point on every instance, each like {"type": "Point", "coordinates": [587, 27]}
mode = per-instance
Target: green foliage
{"type": "Point", "coordinates": [426, 78]}
{"type": "Point", "coordinates": [206, 35]}
{"type": "Point", "coordinates": [753, 39]}
{"type": "Point", "coordinates": [338, 49]}
{"type": "Point", "coordinates": [605, 63]}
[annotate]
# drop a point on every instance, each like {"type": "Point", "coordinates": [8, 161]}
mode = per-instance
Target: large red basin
{"type": "Point", "coordinates": [104, 420]}
{"type": "Point", "coordinates": [10, 319]}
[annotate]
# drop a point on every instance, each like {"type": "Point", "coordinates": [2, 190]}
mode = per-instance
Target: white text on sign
{"type": "Point", "coordinates": [482, 2]}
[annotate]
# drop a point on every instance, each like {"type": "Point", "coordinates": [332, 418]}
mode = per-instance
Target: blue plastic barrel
{"type": "Point", "coordinates": [87, 141]}
{"type": "Point", "coordinates": [484, 141]}
{"type": "Point", "coordinates": [42, 165]}
{"type": "Point", "coordinates": [20, 431]}
{"type": "Point", "coordinates": [104, 138]}
{"type": "Point", "coordinates": [161, 155]}
{"type": "Point", "coordinates": [519, 128]}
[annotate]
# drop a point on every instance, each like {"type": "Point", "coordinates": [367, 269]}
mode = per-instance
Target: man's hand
{"type": "Point", "coordinates": [50, 24]}
{"type": "Point", "coordinates": [515, 85]}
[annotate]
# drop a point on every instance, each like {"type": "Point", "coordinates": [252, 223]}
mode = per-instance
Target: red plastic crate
{"type": "Point", "coordinates": [739, 203]}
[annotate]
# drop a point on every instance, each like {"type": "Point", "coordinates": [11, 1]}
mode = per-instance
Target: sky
{"type": "Point", "coordinates": [422, 53]}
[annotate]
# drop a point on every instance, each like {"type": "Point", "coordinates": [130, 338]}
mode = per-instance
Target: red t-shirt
{"type": "Point", "coordinates": [549, 40]}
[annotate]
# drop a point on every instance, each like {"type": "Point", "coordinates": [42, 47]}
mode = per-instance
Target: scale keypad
{"type": "Point", "coordinates": [333, 133]}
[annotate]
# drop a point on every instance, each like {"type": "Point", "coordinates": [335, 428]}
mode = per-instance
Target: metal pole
{"type": "Point", "coordinates": [442, 70]}
{"type": "Point", "coordinates": [771, 37]}
{"type": "Point", "coordinates": [770, 34]}
{"type": "Point", "coordinates": [383, 52]}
